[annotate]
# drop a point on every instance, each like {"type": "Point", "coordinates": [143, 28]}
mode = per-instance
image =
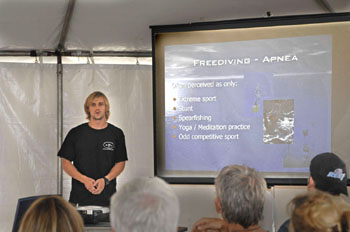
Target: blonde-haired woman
{"type": "Point", "coordinates": [51, 213]}
{"type": "Point", "coordinates": [319, 211]}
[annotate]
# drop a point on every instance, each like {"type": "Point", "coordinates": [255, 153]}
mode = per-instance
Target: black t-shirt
{"type": "Point", "coordinates": [94, 153]}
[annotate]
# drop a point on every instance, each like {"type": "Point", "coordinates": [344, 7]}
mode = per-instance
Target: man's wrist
{"type": "Point", "coordinates": [106, 181]}
{"type": "Point", "coordinates": [83, 179]}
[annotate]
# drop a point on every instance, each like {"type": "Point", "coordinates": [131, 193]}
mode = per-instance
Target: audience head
{"type": "Point", "coordinates": [240, 195]}
{"type": "Point", "coordinates": [328, 173]}
{"type": "Point", "coordinates": [145, 205]}
{"type": "Point", "coordinates": [319, 212]}
{"type": "Point", "coordinates": [51, 213]}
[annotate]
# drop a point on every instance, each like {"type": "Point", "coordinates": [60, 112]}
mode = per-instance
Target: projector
{"type": "Point", "coordinates": [93, 214]}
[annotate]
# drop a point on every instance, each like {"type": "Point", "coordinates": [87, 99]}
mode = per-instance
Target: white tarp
{"type": "Point", "coordinates": [28, 129]}
{"type": "Point", "coordinates": [28, 135]}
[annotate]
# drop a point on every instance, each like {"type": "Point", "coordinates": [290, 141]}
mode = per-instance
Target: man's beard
{"type": "Point", "coordinates": [98, 119]}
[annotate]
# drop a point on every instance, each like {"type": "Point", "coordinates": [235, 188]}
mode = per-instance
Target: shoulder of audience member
{"type": "Point", "coordinates": [284, 227]}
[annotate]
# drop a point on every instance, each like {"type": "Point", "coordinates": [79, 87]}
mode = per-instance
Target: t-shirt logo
{"type": "Point", "coordinates": [108, 146]}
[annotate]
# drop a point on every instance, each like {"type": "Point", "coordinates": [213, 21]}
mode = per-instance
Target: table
{"type": "Point", "coordinates": [101, 226]}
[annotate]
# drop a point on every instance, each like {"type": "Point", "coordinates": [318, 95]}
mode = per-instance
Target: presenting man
{"type": "Point", "coordinates": [97, 150]}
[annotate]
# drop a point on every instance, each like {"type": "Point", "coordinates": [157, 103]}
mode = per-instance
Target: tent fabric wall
{"type": "Point", "coordinates": [28, 142]}
{"type": "Point", "coordinates": [28, 135]}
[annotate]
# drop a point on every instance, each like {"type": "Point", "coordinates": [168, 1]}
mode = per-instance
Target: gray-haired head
{"type": "Point", "coordinates": [144, 205]}
{"type": "Point", "coordinates": [241, 193]}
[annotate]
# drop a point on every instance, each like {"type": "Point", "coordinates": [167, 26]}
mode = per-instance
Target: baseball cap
{"type": "Point", "coordinates": [329, 173]}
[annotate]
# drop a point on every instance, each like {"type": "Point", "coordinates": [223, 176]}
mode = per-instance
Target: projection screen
{"type": "Point", "coordinates": [269, 93]}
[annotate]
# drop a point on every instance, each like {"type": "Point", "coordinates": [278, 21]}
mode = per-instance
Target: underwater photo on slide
{"type": "Point", "coordinates": [278, 121]}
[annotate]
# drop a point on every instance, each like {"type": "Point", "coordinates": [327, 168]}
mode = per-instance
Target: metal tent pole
{"type": "Point", "coordinates": [60, 49]}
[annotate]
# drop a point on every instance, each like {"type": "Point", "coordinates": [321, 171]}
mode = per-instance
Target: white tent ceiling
{"type": "Point", "coordinates": [123, 25]}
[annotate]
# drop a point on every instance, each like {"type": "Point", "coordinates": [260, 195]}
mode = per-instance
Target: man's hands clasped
{"type": "Point", "coordinates": [94, 186]}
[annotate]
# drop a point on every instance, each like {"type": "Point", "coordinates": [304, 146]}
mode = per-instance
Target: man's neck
{"type": "Point", "coordinates": [239, 228]}
{"type": "Point", "coordinates": [98, 124]}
